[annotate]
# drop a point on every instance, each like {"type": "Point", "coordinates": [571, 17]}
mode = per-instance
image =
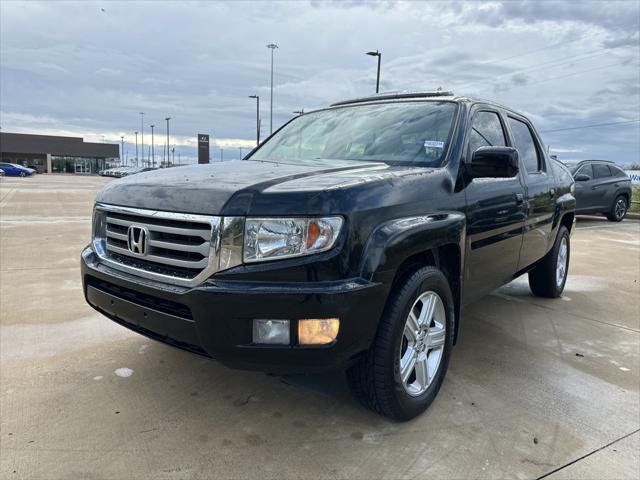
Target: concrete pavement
{"type": "Point", "coordinates": [536, 387]}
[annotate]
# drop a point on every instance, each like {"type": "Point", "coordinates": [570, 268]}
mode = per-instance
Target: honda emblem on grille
{"type": "Point", "coordinates": [138, 239]}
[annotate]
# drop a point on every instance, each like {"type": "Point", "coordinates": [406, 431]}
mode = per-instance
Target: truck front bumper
{"type": "Point", "coordinates": [215, 319]}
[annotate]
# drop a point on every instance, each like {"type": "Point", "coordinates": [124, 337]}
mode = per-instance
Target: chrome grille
{"type": "Point", "coordinates": [178, 247]}
{"type": "Point", "coordinates": [186, 246]}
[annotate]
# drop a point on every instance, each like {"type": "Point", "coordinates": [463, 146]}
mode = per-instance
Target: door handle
{"type": "Point", "coordinates": [519, 198]}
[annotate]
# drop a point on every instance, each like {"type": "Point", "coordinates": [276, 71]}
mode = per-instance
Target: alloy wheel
{"type": "Point", "coordinates": [422, 343]}
{"type": "Point", "coordinates": [561, 267]}
{"type": "Point", "coordinates": [621, 208]}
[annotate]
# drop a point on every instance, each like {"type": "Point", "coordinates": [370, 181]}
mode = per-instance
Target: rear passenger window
{"type": "Point", "coordinates": [524, 143]}
{"type": "Point", "coordinates": [617, 172]}
{"type": "Point", "coordinates": [486, 131]}
{"type": "Point", "coordinates": [601, 171]}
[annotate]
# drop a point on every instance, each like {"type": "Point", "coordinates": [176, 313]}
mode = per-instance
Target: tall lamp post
{"type": "Point", "coordinates": [122, 150]}
{"type": "Point", "coordinates": [257, 97]}
{"type": "Point", "coordinates": [136, 148]}
{"type": "Point", "coordinates": [379, 55]}
{"type": "Point", "coordinates": [142, 136]}
{"type": "Point", "coordinates": [272, 46]}
{"type": "Point", "coordinates": [153, 152]}
{"type": "Point", "coordinates": [167, 119]}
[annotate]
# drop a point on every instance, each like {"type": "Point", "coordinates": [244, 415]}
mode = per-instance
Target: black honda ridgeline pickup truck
{"type": "Point", "coordinates": [349, 239]}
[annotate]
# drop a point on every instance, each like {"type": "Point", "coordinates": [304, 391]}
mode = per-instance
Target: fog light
{"type": "Point", "coordinates": [271, 331]}
{"type": "Point", "coordinates": [318, 331]}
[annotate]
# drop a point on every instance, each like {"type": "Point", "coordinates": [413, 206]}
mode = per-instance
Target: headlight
{"type": "Point", "coordinates": [272, 238]}
{"type": "Point", "coordinates": [99, 230]}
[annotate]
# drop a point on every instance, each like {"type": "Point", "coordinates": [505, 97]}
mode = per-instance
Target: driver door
{"type": "Point", "coordinates": [586, 197]}
{"type": "Point", "coordinates": [495, 215]}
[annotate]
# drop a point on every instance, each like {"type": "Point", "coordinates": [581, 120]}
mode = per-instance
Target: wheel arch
{"type": "Point", "coordinates": [398, 248]}
{"type": "Point", "coordinates": [624, 193]}
{"type": "Point", "coordinates": [567, 220]}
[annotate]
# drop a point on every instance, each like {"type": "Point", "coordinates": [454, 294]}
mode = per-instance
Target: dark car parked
{"type": "Point", "coordinates": [349, 239]}
{"type": "Point", "coordinates": [15, 170]}
{"type": "Point", "coordinates": [601, 187]}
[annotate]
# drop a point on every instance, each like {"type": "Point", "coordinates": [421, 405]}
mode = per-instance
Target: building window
{"type": "Point", "coordinates": [81, 165]}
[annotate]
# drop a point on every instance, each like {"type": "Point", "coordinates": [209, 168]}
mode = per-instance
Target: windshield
{"type": "Point", "coordinates": [416, 133]}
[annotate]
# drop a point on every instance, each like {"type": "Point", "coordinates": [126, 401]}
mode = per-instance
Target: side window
{"type": "Point", "coordinates": [524, 143]}
{"type": "Point", "coordinates": [617, 172]}
{"type": "Point", "coordinates": [486, 131]}
{"type": "Point", "coordinates": [585, 170]}
{"type": "Point", "coordinates": [601, 171]}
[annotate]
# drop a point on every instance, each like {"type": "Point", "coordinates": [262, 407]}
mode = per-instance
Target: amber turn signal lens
{"type": "Point", "coordinates": [318, 331]}
{"type": "Point", "coordinates": [313, 233]}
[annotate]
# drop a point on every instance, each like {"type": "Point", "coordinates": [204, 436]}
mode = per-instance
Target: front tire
{"type": "Point", "coordinates": [549, 277]}
{"type": "Point", "coordinates": [618, 210]}
{"type": "Point", "coordinates": [402, 372]}
{"type": "Point", "coordinates": [22, 174]}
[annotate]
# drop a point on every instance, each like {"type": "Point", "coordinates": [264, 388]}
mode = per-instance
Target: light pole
{"type": "Point", "coordinates": [136, 148]}
{"type": "Point", "coordinates": [173, 152]}
{"type": "Point", "coordinates": [153, 153]}
{"type": "Point", "coordinates": [222, 154]}
{"type": "Point", "coordinates": [257, 97]}
{"type": "Point", "coordinates": [167, 119]}
{"type": "Point", "coordinates": [272, 46]}
{"type": "Point", "coordinates": [142, 135]}
{"type": "Point", "coordinates": [122, 150]}
{"type": "Point", "coordinates": [240, 148]}
{"type": "Point", "coordinates": [379, 55]}
{"type": "Point", "coordinates": [298, 112]}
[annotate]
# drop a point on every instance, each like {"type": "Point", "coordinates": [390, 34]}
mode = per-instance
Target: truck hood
{"type": "Point", "coordinates": [244, 187]}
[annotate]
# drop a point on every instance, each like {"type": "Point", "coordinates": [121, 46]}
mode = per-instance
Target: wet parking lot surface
{"type": "Point", "coordinates": [535, 388]}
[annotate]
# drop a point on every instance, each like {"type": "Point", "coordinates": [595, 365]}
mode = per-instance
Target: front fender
{"type": "Point", "coordinates": [393, 242]}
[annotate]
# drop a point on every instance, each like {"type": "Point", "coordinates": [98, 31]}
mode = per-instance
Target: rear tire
{"type": "Point", "coordinates": [618, 209]}
{"type": "Point", "coordinates": [549, 277]}
{"type": "Point", "coordinates": [402, 372]}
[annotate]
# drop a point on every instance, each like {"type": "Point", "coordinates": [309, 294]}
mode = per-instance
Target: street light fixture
{"type": "Point", "coordinates": [379, 55]}
{"type": "Point", "coordinates": [257, 97]}
{"type": "Point", "coordinates": [136, 148]}
{"type": "Point", "coordinates": [142, 134]}
{"type": "Point", "coordinates": [153, 152]}
{"type": "Point", "coordinates": [167, 119]}
{"type": "Point", "coordinates": [272, 46]}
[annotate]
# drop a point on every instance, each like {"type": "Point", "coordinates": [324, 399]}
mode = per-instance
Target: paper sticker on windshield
{"type": "Point", "coordinates": [433, 144]}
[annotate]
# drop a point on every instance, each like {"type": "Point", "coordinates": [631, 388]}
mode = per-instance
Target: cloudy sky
{"type": "Point", "coordinates": [89, 68]}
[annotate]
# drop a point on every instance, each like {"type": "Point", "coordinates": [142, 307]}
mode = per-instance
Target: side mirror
{"type": "Point", "coordinates": [582, 177]}
{"type": "Point", "coordinates": [494, 162]}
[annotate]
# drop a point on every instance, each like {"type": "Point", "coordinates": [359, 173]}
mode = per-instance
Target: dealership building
{"type": "Point", "coordinates": [53, 154]}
